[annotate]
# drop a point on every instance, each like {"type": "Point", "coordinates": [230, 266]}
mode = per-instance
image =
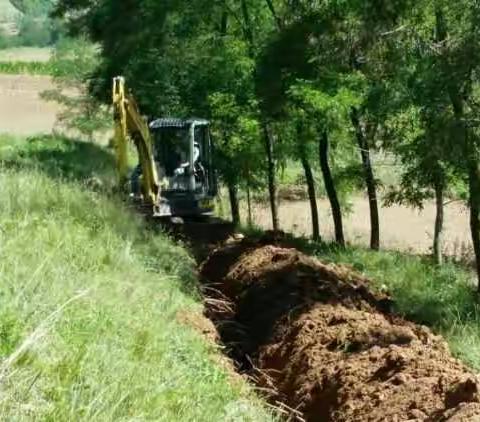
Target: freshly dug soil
{"type": "Point", "coordinates": [324, 344]}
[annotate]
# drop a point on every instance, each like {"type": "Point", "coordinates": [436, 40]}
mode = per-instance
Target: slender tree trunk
{"type": "Point", "coordinates": [269, 147]}
{"type": "Point", "coordinates": [234, 204]}
{"type": "Point", "coordinates": [224, 24]}
{"type": "Point", "coordinates": [307, 168]}
{"type": "Point", "coordinates": [463, 136]}
{"type": "Point", "coordinates": [247, 27]}
{"type": "Point", "coordinates": [474, 188]}
{"type": "Point", "coordinates": [272, 182]}
{"type": "Point", "coordinates": [249, 201]}
{"type": "Point", "coordinates": [438, 234]}
{"type": "Point", "coordinates": [249, 206]}
{"type": "Point", "coordinates": [330, 188]}
{"type": "Point", "coordinates": [364, 146]}
{"type": "Point", "coordinates": [312, 197]}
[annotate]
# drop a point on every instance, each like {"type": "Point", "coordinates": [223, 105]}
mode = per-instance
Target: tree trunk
{"type": "Point", "coordinates": [247, 25]}
{"type": "Point", "coordinates": [364, 146]}
{"type": "Point", "coordinates": [312, 197]}
{"type": "Point", "coordinates": [330, 188]}
{"type": "Point", "coordinates": [249, 206]}
{"type": "Point", "coordinates": [234, 204]}
{"type": "Point", "coordinates": [474, 188]}
{"type": "Point", "coordinates": [272, 183]}
{"type": "Point", "coordinates": [224, 24]}
{"type": "Point", "coordinates": [438, 234]}
{"type": "Point", "coordinates": [470, 149]}
{"type": "Point", "coordinates": [302, 152]}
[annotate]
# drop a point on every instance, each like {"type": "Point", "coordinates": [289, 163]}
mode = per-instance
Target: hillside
{"type": "Point", "coordinates": [91, 304]}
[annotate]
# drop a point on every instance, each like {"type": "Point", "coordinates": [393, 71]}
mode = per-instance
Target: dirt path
{"type": "Point", "coordinates": [401, 228]}
{"type": "Point", "coordinates": [22, 111]}
{"type": "Point", "coordinates": [324, 346]}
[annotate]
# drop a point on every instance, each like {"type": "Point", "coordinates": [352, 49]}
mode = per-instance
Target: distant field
{"type": "Point", "coordinates": [21, 109]}
{"type": "Point", "coordinates": [25, 54]}
{"type": "Point", "coordinates": [402, 228]}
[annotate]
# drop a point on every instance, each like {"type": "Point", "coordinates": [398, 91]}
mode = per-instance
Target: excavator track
{"type": "Point", "coordinates": [202, 232]}
{"type": "Point", "coordinates": [207, 231]}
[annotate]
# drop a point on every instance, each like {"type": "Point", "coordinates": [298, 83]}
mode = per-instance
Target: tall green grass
{"type": "Point", "coordinates": [25, 68]}
{"type": "Point", "coordinates": [89, 302]}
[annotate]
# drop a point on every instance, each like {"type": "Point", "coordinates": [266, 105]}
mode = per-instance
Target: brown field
{"type": "Point", "coordinates": [402, 228]}
{"type": "Point", "coordinates": [25, 54]}
{"type": "Point", "coordinates": [22, 111]}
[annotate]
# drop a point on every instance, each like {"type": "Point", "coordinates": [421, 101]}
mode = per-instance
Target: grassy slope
{"type": "Point", "coordinates": [88, 302]}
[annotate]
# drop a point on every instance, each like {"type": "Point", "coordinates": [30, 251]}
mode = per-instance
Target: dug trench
{"type": "Point", "coordinates": [323, 346]}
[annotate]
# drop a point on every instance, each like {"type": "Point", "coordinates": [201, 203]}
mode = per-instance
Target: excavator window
{"type": "Point", "coordinates": [171, 147]}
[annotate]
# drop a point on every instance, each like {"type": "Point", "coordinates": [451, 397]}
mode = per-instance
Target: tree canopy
{"type": "Point", "coordinates": [328, 83]}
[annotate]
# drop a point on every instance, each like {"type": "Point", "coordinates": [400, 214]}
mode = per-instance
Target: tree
{"type": "Point", "coordinates": [72, 63]}
{"type": "Point", "coordinates": [238, 136]}
{"type": "Point", "coordinates": [293, 77]}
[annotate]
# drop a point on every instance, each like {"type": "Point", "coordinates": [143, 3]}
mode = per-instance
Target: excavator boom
{"type": "Point", "coordinates": [129, 124]}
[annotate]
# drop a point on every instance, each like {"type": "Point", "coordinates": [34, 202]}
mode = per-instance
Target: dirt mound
{"type": "Point", "coordinates": [326, 345]}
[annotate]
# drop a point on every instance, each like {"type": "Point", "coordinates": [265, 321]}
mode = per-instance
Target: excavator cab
{"type": "Point", "coordinates": [175, 175]}
{"type": "Point", "coordinates": [183, 153]}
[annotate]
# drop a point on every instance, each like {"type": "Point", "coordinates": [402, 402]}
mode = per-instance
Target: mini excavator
{"type": "Point", "coordinates": [175, 176]}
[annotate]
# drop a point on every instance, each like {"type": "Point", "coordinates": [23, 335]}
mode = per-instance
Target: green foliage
{"type": "Point", "coordinates": [374, 76]}
{"type": "Point", "coordinates": [34, 32]}
{"type": "Point", "coordinates": [34, 25]}
{"type": "Point", "coordinates": [92, 303]}
{"type": "Point", "coordinates": [237, 134]}
{"type": "Point", "coordinates": [72, 62]}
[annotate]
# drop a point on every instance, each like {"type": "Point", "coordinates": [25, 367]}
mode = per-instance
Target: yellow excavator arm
{"type": "Point", "coordinates": [129, 124]}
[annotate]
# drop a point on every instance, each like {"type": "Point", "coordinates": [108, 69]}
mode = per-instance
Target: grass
{"type": "Point", "coordinates": [89, 302]}
{"type": "Point", "coordinates": [25, 68]}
